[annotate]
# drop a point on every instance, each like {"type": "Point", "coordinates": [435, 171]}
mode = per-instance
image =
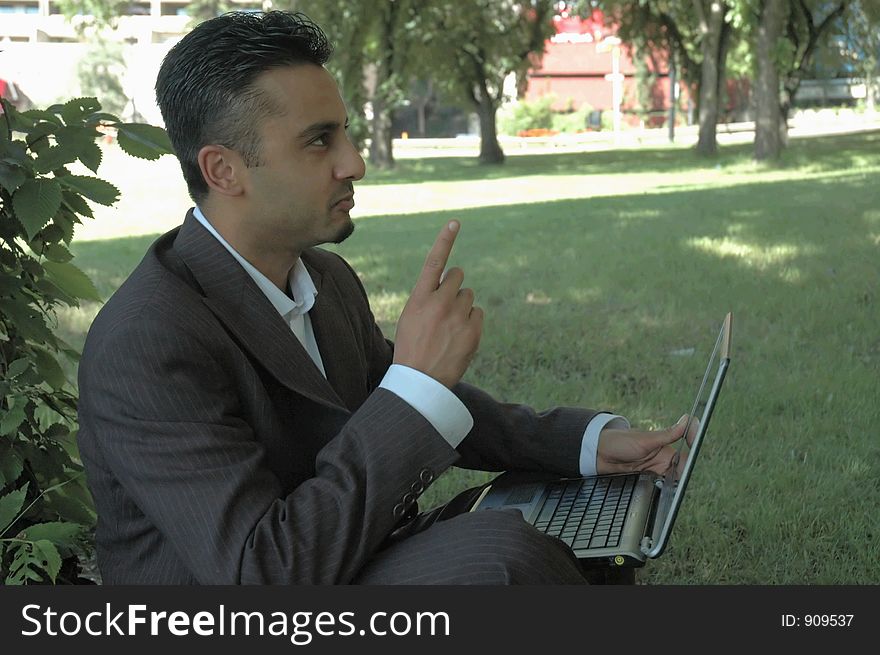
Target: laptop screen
{"type": "Point", "coordinates": [675, 480]}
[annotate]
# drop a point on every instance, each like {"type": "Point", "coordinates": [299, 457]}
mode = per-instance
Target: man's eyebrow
{"type": "Point", "coordinates": [321, 128]}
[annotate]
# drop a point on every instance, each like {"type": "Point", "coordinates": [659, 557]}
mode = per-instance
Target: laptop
{"type": "Point", "coordinates": [620, 519]}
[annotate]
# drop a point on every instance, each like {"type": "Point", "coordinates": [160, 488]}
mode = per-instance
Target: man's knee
{"type": "Point", "coordinates": [517, 553]}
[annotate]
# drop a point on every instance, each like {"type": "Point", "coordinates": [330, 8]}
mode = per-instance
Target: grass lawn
{"type": "Point", "coordinates": [611, 297]}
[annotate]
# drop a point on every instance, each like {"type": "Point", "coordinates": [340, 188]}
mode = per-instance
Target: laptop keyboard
{"type": "Point", "coordinates": [587, 513]}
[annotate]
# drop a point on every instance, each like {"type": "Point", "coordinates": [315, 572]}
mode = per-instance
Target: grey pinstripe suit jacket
{"type": "Point", "coordinates": [218, 454]}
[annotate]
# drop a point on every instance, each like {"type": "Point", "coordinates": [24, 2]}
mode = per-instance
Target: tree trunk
{"type": "Point", "coordinates": [870, 91]}
{"type": "Point", "coordinates": [381, 143]}
{"type": "Point", "coordinates": [713, 46]}
{"type": "Point", "coordinates": [422, 99]}
{"type": "Point", "coordinates": [490, 149]}
{"type": "Point", "coordinates": [768, 136]}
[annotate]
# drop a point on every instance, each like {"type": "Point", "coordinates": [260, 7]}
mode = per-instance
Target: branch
{"type": "Point", "coordinates": [678, 41]}
{"type": "Point", "coordinates": [6, 117]}
{"type": "Point", "coordinates": [701, 16]}
{"type": "Point", "coordinates": [830, 18]}
{"type": "Point", "coordinates": [43, 493]}
{"type": "Point", "coordinates": [793, 78]}
{"type": "Point", "coordinates": [816, 33]}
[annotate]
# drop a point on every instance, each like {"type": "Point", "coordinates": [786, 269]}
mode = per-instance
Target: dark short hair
{"type": "Point", "coordinates": [206, 85]}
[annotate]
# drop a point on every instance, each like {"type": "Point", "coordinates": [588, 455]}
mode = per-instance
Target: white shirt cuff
{"type": "Point", "coordinates": [440, 407]}
{"type": "Point", "coordinates": [590, 443]}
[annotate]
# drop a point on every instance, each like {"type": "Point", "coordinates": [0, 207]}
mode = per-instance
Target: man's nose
{"type": "Point", "coordinates": [351, 165]}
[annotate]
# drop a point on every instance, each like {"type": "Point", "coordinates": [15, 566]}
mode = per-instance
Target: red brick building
{"type": "Point", "coordinates": [577, 66]}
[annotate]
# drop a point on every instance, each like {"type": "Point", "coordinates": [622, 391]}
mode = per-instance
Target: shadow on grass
{"type": "Point", "coordinates": [762, 229]}
{"type": "Point", "coordinates": [612, 302]}
{"type": "Point", "coordinates": [832, 153]}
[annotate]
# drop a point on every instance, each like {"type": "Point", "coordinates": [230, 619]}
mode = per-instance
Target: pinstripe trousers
{"type": "Point", "coordinates": [450, 545]}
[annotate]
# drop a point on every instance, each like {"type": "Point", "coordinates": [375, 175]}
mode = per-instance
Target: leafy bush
{"type": "Point", "coordinates": [572, 121]}
{"type": "Point", "coordinates": [524, 116]}
{"type": "Point", "coordinates": [539, 118]}
{"type": "Point", "coordinates": [46, 511]}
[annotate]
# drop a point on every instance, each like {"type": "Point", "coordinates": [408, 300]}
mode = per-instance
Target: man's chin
{"type": "Point", "coordinates": [344, 232]}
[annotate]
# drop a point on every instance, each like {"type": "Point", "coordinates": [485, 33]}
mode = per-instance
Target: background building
{"type": "Point", "coordinates": [42, 52]}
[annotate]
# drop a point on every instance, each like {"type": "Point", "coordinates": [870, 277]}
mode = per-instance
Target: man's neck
{"type": "Point", "coordinates": [274, 263]}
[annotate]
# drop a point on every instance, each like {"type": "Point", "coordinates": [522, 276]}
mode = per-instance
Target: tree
{"type": "Point", "coordinates": [698, 32]}
{"type": "Point", "coordinates": [100, 72]}
{"type": "Point", "coordinates": [768, 121]}
{"type": "Point", "coordinates": [852, 48]}
{"type": "Point", "coordinates": [809, 22]}
{"type": "Point", "coordinates": [714, 31]}
{"type": "Point", "coordinates": [349, 26]}
{"type": "Point", "coordinates": [861, 45]}
{"type": "Point", "coordinates": [376, 48]}
{"type": "Point", "coordinates": [392, 46]}
{"type": "Point", "coordinates": [472, 47]}
{"type": "Point", "coordinates": [787, 36]}
{"type": "Point", "coordinates": [202, 10]}
{"type": "Point", "coordinates": [661, 26]}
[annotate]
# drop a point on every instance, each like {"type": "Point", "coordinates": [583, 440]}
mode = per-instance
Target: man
{"type": "Point", "coordinates": [243, 420]}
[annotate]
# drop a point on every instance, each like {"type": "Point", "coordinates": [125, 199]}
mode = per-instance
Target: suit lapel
{"type": "Point", "coordinates": [246, 312]}
{"type": "Point", "coordinates": [337, 341]}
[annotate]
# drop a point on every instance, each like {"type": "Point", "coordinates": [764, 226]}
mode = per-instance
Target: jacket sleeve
{"type": "Point", "coordinates": [505, 436]}
{"type": "Point", "coordinates": [512, 437]}
{"type": "Point", "coordinates": [167, 420]}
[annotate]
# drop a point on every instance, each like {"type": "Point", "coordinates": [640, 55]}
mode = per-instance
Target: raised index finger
{"type": "Point", "coordinates": [435, 262]}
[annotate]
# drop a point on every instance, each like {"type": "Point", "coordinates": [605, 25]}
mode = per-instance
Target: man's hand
{"type": "Point", "coordinates": [439, 329]}
{"type": "Point", "coordinates": [624, 451]}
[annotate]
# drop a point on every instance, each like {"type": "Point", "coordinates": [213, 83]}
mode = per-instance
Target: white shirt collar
{"type": "Point", "coordinates": [298, 281]}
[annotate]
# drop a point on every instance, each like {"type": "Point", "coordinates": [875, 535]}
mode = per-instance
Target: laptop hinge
{"type": "Point", "coordinates": [647, 542]}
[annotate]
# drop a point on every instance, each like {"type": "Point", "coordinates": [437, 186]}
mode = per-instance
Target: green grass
{"type": "Point", "coordinates": [588, 301]}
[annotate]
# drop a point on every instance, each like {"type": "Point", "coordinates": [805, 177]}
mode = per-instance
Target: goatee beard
{"type": "Point", "coordinates": [345, 232]}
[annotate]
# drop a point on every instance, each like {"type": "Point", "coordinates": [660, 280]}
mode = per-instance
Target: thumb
{"type": "Point", "coordinates": [674, 433]}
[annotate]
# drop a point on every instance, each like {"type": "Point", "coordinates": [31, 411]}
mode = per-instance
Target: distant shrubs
{"type": "Point", "coordinates": [538, 118]}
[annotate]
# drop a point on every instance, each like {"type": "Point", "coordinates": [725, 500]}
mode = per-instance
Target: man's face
{"type": "Point", "coordinates": [301, 193]}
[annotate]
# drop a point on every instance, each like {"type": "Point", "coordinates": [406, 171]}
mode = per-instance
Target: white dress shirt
{"type": "Point", "coordinates": [440, 407]}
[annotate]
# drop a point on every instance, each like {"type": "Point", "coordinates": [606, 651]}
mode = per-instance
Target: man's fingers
{"type": "Point", "coordinates": [660, 438]}
{"type": "Point", "coordinates": [465, 298]}
{"type": "Point", "coordinates": [452, 279]}
{"type": "Point", "coordinates": [435, 262]}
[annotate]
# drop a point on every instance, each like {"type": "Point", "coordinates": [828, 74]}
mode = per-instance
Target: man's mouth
{"type": "Point", "coordinates": [345, 203]}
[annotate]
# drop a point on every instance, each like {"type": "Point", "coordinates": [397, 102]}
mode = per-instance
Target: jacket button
{"type": "Point", "coordinates": [417, 488]}
{"type": "Point", "coordinates": [408, 499]}
{"type": "Point", "coordinates": [398, 510]}
{"type": "Point", "coordinates": [426, 476]}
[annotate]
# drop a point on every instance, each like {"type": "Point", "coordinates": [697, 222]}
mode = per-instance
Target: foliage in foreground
{"type": "Point", "coordinates": [46, 511]}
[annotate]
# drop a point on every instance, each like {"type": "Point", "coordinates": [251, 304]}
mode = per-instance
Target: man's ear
{"type": "Point", "coordinates": [222, 169]}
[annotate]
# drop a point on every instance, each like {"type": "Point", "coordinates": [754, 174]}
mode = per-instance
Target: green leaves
{"type": "Point", "coordinates": [35, 202]}
{"type": "Point", "coordinates": [79, 141]}
{"type": "Point", "coordinates": [11, 420]}
{"type": "Point", "coordinates": [10, 506]}
{"type": "Point", "coordinates": [59, 533]}
{"type": "Point", "coordinates": [43, 496]}
{"type": "Point", "coordinates": [11, 176]}
{"type": "Point", "coordinates": [71, 280]}
{"type": "Point", "coordinates": [144, 141]}
{"type": "Point", "coordinates": [79, 109]}
{"type": "Point", "coordinates": [11, 464]}
{"type": "Point", "coordinates": [32, 557]}
{"type": "Point", "coordinates": [92, 188]}
{"type": "Point", "coordinates": [49, 369]}
{"type": "Point", "coordinates": [54, 158]}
